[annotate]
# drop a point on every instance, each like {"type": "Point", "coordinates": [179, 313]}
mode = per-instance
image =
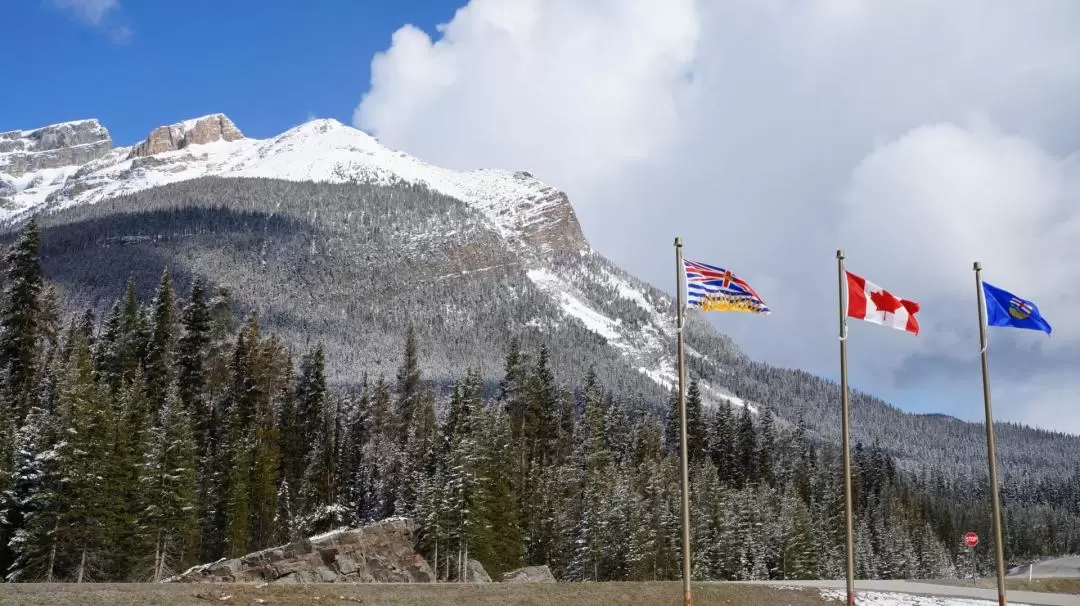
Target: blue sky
{"type": "Point", "coordinates": [144, 64]}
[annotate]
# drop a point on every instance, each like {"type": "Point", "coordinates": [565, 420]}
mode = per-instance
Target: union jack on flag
{"type": "Point", "coordinates": [711, 288]}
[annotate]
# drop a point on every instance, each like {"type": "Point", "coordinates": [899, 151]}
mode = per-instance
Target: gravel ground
{"type": "Point", "coordinates": [340, 594]}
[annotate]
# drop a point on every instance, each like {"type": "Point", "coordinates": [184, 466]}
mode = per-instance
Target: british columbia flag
{"type": "Point", "coordinates": [711, 288]}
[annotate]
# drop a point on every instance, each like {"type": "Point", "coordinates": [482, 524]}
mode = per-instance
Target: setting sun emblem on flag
{"type": "Point", "coordinates": [711, 288]}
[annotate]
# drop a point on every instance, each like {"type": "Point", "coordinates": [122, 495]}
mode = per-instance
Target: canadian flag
{"type": "Point", "coordinates": [870, 302]}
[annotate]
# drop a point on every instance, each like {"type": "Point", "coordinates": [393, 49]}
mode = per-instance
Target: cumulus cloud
{"type": "Point", "coordinates": [917, 136]}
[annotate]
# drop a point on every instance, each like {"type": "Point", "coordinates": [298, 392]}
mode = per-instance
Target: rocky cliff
{"type": "Point", "coordinates": [67, 144]}
{"type": "Point", "coordinates": [384, 552]}
{"type": "Point", "coordinates": [208, 129]}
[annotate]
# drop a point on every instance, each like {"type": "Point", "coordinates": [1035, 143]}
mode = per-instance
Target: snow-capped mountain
{"type": "Point", "coordinates": [331, 237]}
{"type": "Point", "coordinates": [535, 220]}
{"type": "Point", "coordinates": [323, 150]}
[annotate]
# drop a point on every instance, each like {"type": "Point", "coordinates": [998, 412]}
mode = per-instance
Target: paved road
{"type": "Point", "coordinates": [1058, 568]}
{"type": "Point", "coordinates": [1031, 598]}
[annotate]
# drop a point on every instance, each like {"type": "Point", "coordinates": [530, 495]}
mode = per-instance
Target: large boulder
{"type": "Point", "coordinates": [384, 552]}
{"type": "Point", "coordinates": [529, 574]}
{"type": "Point", "coordinates": [475, 573]}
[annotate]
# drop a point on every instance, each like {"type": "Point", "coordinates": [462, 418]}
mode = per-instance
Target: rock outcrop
{"type": "Point", "coordinates": [529, 574]}
{"type": "Point", "coordinates": [475, 573]}
{"type": "Point", "coordinates": [384, 552]}
{"type": "Point", "coordinates": [216, 127]}
{"type": "Point", "coordinates": [67, 144]}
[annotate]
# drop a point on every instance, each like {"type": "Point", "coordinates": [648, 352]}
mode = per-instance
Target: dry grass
{"type": "Point", "coordinates": [1067, 586]}
{"type": "Point", "coordinates": [1071, 586]}
{"type": "Point", "coordinates": [538, 594]}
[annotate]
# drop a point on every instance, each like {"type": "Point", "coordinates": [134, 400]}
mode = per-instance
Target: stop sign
{"type": "Point", "coordinates": [971, 539]}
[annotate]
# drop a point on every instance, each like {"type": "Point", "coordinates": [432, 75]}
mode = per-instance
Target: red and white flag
{"type": "Point", "coordinates": [868, 301]}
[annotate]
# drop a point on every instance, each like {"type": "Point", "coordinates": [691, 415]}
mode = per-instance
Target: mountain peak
{"type": "Point", "coordinates": [53, 146]}
{"type": "Point", "coordinates": [194, 131]}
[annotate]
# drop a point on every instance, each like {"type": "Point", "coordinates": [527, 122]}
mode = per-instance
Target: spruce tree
{"type": "Point", "coordinates": [84, 532]}
{"type": "Point", "coordinates": [696, 443]}
{"type": "Point", "coordinates": [408, 384]}
{"type": "Point", "coordinates": [133, 336]}
{"type": "Point", "coordinates": [107, 350]}
{"type": "Point", "coordinates": [303, 419]}
{"type": "Point", "coordinates": [29, 506]}
{"type": "Point", "coordinates": [592, 471]}
{"type": "Point", "coordinates": [20, 324]}
{"type": "Point", "coordinates": [798, 554]}
{"type": "Point", "coordinates": [169, 481]}
{"type": "Point", "coordinates": [130, 442]}
{"type": "Point", "coordinates": [191, 356]}
{"type": "Point", "coordinates": [672, 426]}
{"type": "Point", "coordinates": [766, 449]}
{"type": "Point", "coordinates": [159, 358]}
{"type": "Point", "coordinates": [284, 526]}
{"type": "Point", "coordinates": [724, 447]}
{"type": "Point", "coordinates": [746, 450]}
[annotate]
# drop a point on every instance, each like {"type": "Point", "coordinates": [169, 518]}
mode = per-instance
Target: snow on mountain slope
{"type": "Point", "coordinates": [649, 346]}
{"type": "Point", "coordinates": [534, 217]}
{"type": "Point", "coordinates": [517, 204]}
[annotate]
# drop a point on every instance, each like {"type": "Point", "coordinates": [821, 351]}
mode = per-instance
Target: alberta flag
{"type": "Point", "coordinates": [711, 288]}
{"type": "Point", "coordinates": [1006, 309]}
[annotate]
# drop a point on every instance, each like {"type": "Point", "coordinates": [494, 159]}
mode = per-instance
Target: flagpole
{"type": "Point", "coordinates": [991, 451]}
{"type": "Point", "coordinates": [682, 425]}
{"type": "Point", "coordinates": [846, 434]}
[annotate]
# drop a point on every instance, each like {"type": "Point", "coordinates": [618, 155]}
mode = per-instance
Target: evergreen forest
{"type": "Point", "coordinates": [173, 431]}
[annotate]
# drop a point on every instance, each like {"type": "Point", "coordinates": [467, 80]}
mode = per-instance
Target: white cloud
{"type": "Point", "coordinates": [918, 136]}
{"type": "Point", "coordinates": [90, 11]}
{"type": "Point", "coordinates": [97, 13]}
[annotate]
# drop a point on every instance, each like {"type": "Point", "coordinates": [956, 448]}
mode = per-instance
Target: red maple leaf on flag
{"type": "Point", "coordinates": [885, 302]}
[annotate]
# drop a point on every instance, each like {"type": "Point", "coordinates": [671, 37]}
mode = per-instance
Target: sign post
{"type": "Point", "coordinates": [972, 540]}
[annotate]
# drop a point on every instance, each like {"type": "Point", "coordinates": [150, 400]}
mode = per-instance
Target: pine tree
{"type": "Point", "coordinates": [696, 443]}
{"type": "Point", "coordinates": [160, 346]}
{"type": "Point", "coordinates": [107, 350]}
{"type": "Point", "coordinates": [593, 471]}
{"type": "Point", "coordinates": [514, 398]}
{"type": "Point", "coordinates": [419, 445]}
{"type": "Point", "coordinates": [303, 419]}
{"type": "Point", "coordinates": [497, 541]}
{"type": "Point", "coordinates": [512, 388]}
{"type": "Point", "coordinates": [723, 445]}
{"type": "Point", "coordinates": [320, 509]}
{"type": "Point", "coordinates": [238, 512]}
{"type": "Point", "coordinates": [746, 450]}
{"type": "Point", "coordinates": [134, 336]}
{"type": "Point", "coordinates": [236, 454]}
{"type": "Point", "coordinates": [798, 549]}
{"type": "Point", "coordinates": [30, 505]}
{"type": "Point", "coordinates": [191, 357]}
{"type": "Point", "coordinates": [542, 419]}
{"type": "Point", "coordinates": [672, 427]}
{"type": "Point", "coordinates": [169, 481]}
{"type": "Point", "coordinates": [706, 522]}
{"type": "Point", "coordinates": [766, 449]}
{"type": "Point", "coordinates": [20, 324]}
{"type": "Point", "coordinates": [408, 385]}
{"type": "Point", "coordinates": [284, 526]}
{"type": "Point", "coordinates": [20, 330]}
{"type": "Point", "coordinates": [129, 441]}
{"type": "Point", "coordinates": [82, 536]}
